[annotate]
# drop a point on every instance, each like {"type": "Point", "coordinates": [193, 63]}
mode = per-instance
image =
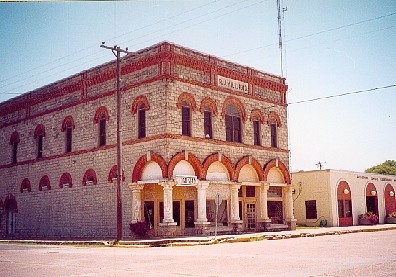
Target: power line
{"type": "Point", "coordinates": [164, 29]}
{"type": "Point", "coordinates": [342, 27]}
{"type": "Point", "coordinates": [185, 27]}
{"type": "Point", "coordinates": [342, 94]}
{"type": "Point", "coordinates": [95, 45]}
{"type": "Point", "coordinates": [314, 34]}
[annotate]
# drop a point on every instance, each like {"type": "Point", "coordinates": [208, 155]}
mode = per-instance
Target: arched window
{"type": "Point", "coordinates": [25, 186]}
{"type": "Point", "coordinates": [139, 106]}
{"type": "Point", "coordinates": [101, 116]}
{"type": "Point", "coordinates": [65, 180]}
{"type": "Point", "coordinates": [274, 122]}
{"type": "Point", "coordinates": [89, 177]}
{"type": "Point", "coordinates": [257, 118]}
{"type": "Point", "coordinates": [256, 132]}
{"type": "Point", "coordinates": [39, 134]}
{"type": "Point", "coordinates": [142, 121]}
{"type": "Point", "coordinates": [209, 109]}
{"type": "Point", "coordinates": [44, 183]}
{"type": "Point", "coordinates": [233, 124]}
{"type": "Point", "coordinates": [14, 141]}
{"type": "Point", "coordinates": [186, 119]}
{"type": "Point", "coordinates": [274, 133]}
{"type": "Point", "coordinates": [102, 130]}
{"type": "Point", "coordinates": [68, 127]}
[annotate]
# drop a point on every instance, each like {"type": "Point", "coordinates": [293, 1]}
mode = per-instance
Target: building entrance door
{"type": "Point", "coordinates": [250, 216]}
{"type": "Point", "coordinates": [275, 211]}
{"type": "Point", "coordinates": [149, 213]}
{"type": "Point", "coordinates": [189, 214]}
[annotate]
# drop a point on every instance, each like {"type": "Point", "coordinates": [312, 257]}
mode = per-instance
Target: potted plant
{"type": "Point", "coordinates": [139, 228]}
{"type": "Point", "coordinates": [391, 218]}
{"type": "Point", "coordinates": [368, 218]}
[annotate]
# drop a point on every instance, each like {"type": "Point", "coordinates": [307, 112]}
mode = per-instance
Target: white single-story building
{"type": "Point", "coordinates": [337, 198]}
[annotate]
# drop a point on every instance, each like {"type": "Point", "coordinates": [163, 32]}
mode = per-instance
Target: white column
{"type": "Point", "coordinates": [234, 202]}
{"type": "Point", "coordinates": [201, 195]}
{"type": "Point", "coordinates": [136, 201]}
{"type": "Point", "coordinates": [263, 201]}
{"type": "Point", "coordinates": [168, 201]}
{"type": "Point", "coordinates": [289, 202]}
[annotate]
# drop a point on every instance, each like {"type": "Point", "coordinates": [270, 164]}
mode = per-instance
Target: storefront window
{"type": "Point", "coordinates": [222, 212]}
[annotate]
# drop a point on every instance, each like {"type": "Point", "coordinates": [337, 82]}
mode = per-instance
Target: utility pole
{"type": "Point", "coordinates": [117, 53]}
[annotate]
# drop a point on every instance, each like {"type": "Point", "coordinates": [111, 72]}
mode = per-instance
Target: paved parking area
{"type": "Point", "coordinates": [352, 254]}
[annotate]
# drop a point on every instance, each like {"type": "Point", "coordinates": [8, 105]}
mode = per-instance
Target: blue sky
{"type": "Point", "coordinates": [331, 47]}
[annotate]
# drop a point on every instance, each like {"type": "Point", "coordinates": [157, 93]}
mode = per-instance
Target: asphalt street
{"type": "Point", "coordinates": [353, 254]}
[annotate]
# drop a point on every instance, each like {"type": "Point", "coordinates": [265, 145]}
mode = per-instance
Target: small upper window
{"type": "Point", "coordinates": [90, 177]}
{"type": "Point", "coordinates": [186, 119]}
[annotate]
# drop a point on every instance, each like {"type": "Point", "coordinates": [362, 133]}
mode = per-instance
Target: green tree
{"type": "Point", "coordinates": [387, 168]}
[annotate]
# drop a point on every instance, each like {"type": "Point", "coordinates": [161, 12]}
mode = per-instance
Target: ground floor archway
{"type": "Point", "coordinates": [344, 201]}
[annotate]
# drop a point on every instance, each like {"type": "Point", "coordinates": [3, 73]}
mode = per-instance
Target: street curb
{"type": "Point", "coordinates": [175, 242]}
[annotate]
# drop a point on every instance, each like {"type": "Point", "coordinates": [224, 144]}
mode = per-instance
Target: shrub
{"type": "Point", "coordinates": [140, 228]}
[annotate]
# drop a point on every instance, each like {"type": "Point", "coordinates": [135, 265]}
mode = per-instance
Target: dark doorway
{"type": "Point", "coordinates": [275, 211]}
{"type": "Point", "coordinates": [371, 204]}
{"type": "Point", "coordinates": [176, 212]}
{"type": "Point", "coordinates": [189, 214]}
{"type": "Point", "coordinates": [149, 213]}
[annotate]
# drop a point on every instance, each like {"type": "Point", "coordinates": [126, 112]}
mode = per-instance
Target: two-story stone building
{"type": "Point", "coordinates": [193, 128]}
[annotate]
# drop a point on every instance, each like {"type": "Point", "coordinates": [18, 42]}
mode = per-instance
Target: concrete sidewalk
{"type": "Point", "coordinates": [200, 240]}
{"type": "Point", "coordinates": [300, 232]}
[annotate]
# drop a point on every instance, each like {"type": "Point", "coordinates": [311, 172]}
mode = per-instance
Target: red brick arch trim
{"type": "Point", "coordinates": [26, 185]}
{"type": "Point", "coordinates": [68, 121]}
{"type": "Point", "coordinates": [100, 112]}
{"type": "Point", "coordinates": [14, 137]}
{"type": "Point", "coordinates": [44, 182]}
{"type": "Point", "coordinates": [281, 167]}
{"type": "Point", "coordinates": [89, 174]}
{"type": "Point", "coordinates": [257, 114]}
{"type": "Point", "coordinates": [274, 116]}
{"type": "Point", "coordinates": [141, 163]}
{"type": "Point", "coordinates": [208, 102]}
{"type": "Point", "coordinates": [113, 174]}
{"type": "Point", "coordinates": [65, 178]}
{"type": "Point", "coordinates": [185, 96]}
{"type": "Point", "coordinates": [341, 195]}
{"type": "Point", "coordinates": [192, 159]}
{"type": "Point", "coordinates": [253, 162]}
{"type": "Point", "coordinates": [39, 131]}
{"type": "Point", "coordinates": [141, 99]}
{"type": "Point", "coordinates": [224, 160]}
{"type": "Point", "coordinates": [369, 188]}
{"type": "Point", "coordinates": [231, 100]}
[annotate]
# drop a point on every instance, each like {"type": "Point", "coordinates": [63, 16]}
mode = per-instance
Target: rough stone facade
{"type": "Point", "coordinates": [36, 200]}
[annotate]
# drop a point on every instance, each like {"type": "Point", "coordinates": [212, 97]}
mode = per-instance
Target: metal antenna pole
{"type": "Point", "coordinates": [278, 3]}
